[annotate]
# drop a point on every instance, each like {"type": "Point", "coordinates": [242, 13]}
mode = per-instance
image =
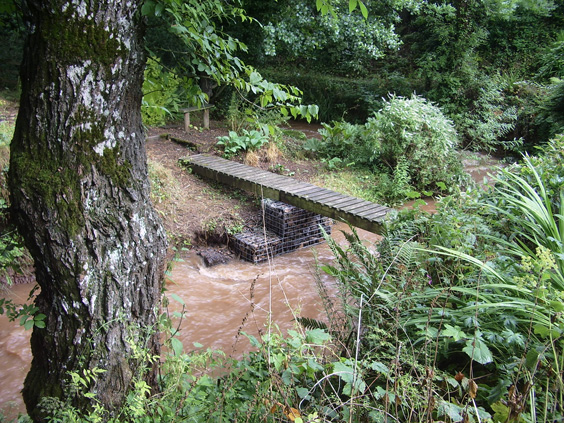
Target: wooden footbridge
{"type": "Point", "coordinates": [357, 212]}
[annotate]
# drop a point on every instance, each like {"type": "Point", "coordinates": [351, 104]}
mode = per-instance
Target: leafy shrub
{"type": "Point", "coordinates": [234, 143]}
{"type": "Point", "coordinates": [414, 130]}
{"type": "Point", "coordinates": [161, 95]}
{"type": "Point", "coordinates": [351, 143]}
{"type": "Point", "coordinates": [552, 61]}
{"type": "Point", "coordinates": [299, 34]}
{"type": "Point", "coordinates": [552, 111]}
{"type": "Point", "coordinates": [242, 117]}
{"type": "Point", "coordinates": [340, 98]}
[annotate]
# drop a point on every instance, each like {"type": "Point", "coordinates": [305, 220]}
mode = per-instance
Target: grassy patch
{"type": "Point", "coordinates": [355, 182]}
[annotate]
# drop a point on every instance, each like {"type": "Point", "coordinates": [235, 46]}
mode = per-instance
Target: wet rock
{"type": "Point", "coordinates": [213, 257]}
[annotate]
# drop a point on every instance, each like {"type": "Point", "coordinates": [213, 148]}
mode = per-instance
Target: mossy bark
{"type": "Point", "coordinates": [80, 196]}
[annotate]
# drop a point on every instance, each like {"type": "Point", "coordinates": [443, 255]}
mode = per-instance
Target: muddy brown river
{"type": "Point", "coordinates": [218, 304]}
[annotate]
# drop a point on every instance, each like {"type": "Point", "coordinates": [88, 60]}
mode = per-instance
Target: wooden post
{"type": "Point", "coordinates": [207, 118]}
{"type": "Point", "coordinates": [186, 121]}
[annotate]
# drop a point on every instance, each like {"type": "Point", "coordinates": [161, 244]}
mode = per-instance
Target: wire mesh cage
{"type": "Point", "coordinates": [287, 229]}
{"type": "Point", "coordinates": [257, 246]}
{"type": "Point", "coordinates": [297, 227]}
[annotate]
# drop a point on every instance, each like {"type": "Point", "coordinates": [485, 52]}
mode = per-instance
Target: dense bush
{"type": "Point", "coordinates": [162, 95]}
{"type": "Point", "coordinates": [300, 35]}
{"type": "Point", "coordinates": [408, 139]}
{"type": "Point", "coordinates": [415, 130]}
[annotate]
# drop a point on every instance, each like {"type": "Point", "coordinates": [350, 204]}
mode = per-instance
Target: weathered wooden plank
{"type": "Point", "coordinates": [327, 197]}
{"type": "Point", "coordinates": [376, 209]}
{"type": "Point", "coordinates": [352, 202]}
{"type": "Point", "coordinates": [361, 208]}
{"type": "Point", "coordinates": [321, 195]}
{"type": "Point", "coordinates": [304, 190]}
{"type": "Point", "coordinates": [357, 212]}
{"type": "Point", "coordinates": [340, 201]}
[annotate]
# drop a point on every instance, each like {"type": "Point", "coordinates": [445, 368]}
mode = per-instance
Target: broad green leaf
{"type": "Point", "coordinates": [532, 359]}
{"type": "Point", "coordinates": [302, 392]}
{"type": "Point", "coordinates": [177, 346]}
{"type": "Point", "coordinates": [176, 298]}
{"type": "Point", "coordinates": [557, 306]}
{"type": "Point", "coordinates": [206, 381]}
{"type": "Point", "coordinates": [454, 332]}
{"type": "Point", "coordinates": [317, 336]}
{"type": "Point", "coordinates": [453, 411]}
{"type": "Point", "coordinates": [478, 351]}
{"type": "Point", "coordinates": [352, 5]}
{"type": "Point", "coordinates": [148, 8]}
{"type": "Point", "coordinates": [379, 367]}
{"type": "Point", "coordinates": [255, 78]}
{"type": "Point", "coordinates": [363, 10]}
{"type": "Point", "coordinates": [159, 9]}
{"type": "Point", "coordinates": [344, 372]}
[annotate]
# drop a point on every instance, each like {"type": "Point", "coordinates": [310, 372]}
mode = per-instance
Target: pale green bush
{"type": "Point", "coordinates": [415, 130]}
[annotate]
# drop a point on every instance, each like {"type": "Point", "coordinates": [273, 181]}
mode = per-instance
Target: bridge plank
{"type": "Point", "coordinates": [357, 212]}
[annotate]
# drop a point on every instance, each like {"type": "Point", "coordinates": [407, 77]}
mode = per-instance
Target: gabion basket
{"type": "Point", "coordinates": [287, 229]}
{"type": "Point", "coordinates": [297, 227]}
{"type": "Point", "coordinates": [257, 246]}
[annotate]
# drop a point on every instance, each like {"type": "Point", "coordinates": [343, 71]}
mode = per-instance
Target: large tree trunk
{"type": "Point", "coordinates": [80, 196]}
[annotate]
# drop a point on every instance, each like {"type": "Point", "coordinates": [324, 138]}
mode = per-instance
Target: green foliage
{"type": "Point", "coordinates": [491, 118]}
{"type": "Point", "coordinates": [353, 99]}
{"type": "Point", "coordinates": [162, 95]}
{"type": "Point", "coordinates": [417, 131]}
{"type": "Point", "coordinates": [552, 61]}
{"type": "Point", "coordinates": [208, 57]}
{"type": "Point", "coordinates": [409, 143]}
{"type": "Point", "coordinates": [351, 144]}
{"type": "Point", "coordinates": [552, 111]}
{"type": "Point", "coordinates": [234, 143]}
{"type": "Point", "coordinates": [240, 116]}
{"type": "Point", "coordinates": [297, 33]}
{"type": "Point", "coordinates": [483, 304]}
{"type": "Point", "coordinates": [26, 313]}
{"type": "Point", "coordinates": [294, 377]}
